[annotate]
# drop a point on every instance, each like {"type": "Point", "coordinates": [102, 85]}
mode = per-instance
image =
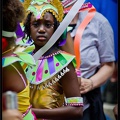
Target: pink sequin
{"type": "Point", "coordinates": [33, 73]}
{"type": "Point", "coordinates": [46, 71]}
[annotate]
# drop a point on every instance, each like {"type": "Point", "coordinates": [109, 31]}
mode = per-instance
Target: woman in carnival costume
{"type": "Point", "coordinates": [13, 76]}
{"type": "Point", "coordinates": [53, 81]}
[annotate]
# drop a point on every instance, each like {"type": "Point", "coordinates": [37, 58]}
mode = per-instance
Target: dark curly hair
{"type": "Point", "coordinates": [27, 27]}
{"type": "Point", "coordinates": [12, 13]}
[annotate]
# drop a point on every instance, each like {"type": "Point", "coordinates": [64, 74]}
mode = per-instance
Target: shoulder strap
{"type": "Point", "coordinates": [80, 30]}
{"type": "Point", "coordinates": [19, 74]}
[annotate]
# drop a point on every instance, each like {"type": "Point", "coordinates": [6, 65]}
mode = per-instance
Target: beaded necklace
{"type": "Point", "coordinates": [45, 57]}
{"type": "Point", "coordinates": [49, 53]}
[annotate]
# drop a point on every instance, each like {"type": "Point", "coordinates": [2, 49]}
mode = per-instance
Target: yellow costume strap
{"type": "Point", "coordinates": [29, 115]}
{"type": "Point", "coordinates": [80, 30]}
{"type": "Point", "coordinates": [27, 111]}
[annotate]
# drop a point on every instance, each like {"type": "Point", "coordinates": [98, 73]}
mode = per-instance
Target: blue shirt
{"type": "Point", "coordinates": [109, 8]}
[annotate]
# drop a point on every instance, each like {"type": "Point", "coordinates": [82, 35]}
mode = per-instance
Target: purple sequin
{"type": "Point", "coordinates": [57, 64]}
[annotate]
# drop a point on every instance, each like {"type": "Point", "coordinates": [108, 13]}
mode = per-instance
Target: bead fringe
{"type": "Point", "coordinates": [53, 81]}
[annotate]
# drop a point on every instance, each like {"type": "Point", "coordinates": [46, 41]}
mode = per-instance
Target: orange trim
{"type": "Point", "coordinates": [80, 30]}
{"type": "Point", "coordinates": [24, 66]}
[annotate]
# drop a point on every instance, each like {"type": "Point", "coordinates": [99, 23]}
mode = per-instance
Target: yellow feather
{"type": "Point", "coordinates": [26, 4]}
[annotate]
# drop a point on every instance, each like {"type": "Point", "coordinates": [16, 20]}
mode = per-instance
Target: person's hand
{"type": "Point", "coordinates": [86, 85]}
{"type": "Point", "coordinates": [11, 115]}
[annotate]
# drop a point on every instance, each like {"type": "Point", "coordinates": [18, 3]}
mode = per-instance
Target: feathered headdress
{"type": "Point", "coordinates": [40, 7]}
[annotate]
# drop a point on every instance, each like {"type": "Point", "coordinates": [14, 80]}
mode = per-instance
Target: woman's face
{"type": "Point", "coordinates": [42, 29]}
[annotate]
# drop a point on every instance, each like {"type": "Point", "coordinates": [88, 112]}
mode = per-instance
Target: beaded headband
{"type": "Point", "coordinates": [40, 7]}
{"type": "Point", "coordinates": [67, 3]}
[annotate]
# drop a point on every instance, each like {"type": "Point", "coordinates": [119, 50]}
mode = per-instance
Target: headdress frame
{"type": "Point", "coordinates": [45, 5]}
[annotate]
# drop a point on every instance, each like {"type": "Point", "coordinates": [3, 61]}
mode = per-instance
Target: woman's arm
{"type": "Point", "coordinates": [71, 89]}
{"type": "Point", "coordinates": [98, 79]}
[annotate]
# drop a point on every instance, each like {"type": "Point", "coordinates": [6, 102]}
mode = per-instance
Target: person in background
{"type": "Point", "coordinates": [53, 81]}
{"type": "Point", "coordinates": [97, 59]}
{"type": "Point", "coordinates": [109, 8]}
{"type": "Point", "coordinates": [13, 76]}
